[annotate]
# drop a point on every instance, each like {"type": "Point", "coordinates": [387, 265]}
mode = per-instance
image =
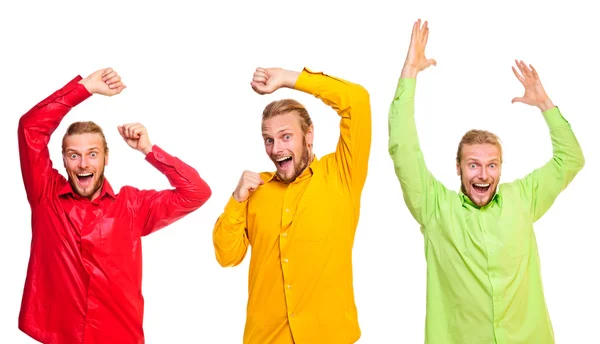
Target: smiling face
{"type": "Point", "coordinates": [479, 165]}
{"type": "Point", "coordinates": [287, 145]}
{"type": "Point", "coordinates": [84, 160]}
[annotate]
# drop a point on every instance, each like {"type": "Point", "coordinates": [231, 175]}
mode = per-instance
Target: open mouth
{"type": "Point", "coordinates": [481, 188]}
{"type": "Point", "coordinates": [85, 178]}
{"type": "Point", "coordinates": [284, 162]}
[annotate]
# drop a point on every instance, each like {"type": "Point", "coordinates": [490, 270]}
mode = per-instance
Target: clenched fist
{"type": "Point", "coordinates": [136, 136]}
{"type": "Point", "coordinates": [249, 181]}
{"type": "Point", "coordinates": [104, 81]}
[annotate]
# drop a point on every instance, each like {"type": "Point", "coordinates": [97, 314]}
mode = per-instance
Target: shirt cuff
{"type": "Point", "coordinates": [554, 118]}
{"type": "Point", "coordinates": [72, 94]}
{"type": "Point", "coordinates": [406, 87]}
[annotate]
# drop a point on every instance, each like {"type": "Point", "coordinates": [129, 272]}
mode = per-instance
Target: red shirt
{"type": "Point", "coordinates": [84, 276]}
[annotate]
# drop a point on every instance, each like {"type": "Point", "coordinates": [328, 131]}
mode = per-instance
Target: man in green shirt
{"type": "Point", "coordinates": [483, 271]}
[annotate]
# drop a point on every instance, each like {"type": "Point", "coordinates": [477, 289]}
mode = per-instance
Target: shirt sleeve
{"type": "Point", "coordinates": [158, 209]}
{"type": "Point", "coordinates": [230, 237]}
{"type": "Point", "coordinates": [541, 187]}
{"type": "Point", "coordinates": [352, 104]}
{"type": "Point", "coordinates": [35, 129]}
{"type": "Point", "coordinates": [421, 191]}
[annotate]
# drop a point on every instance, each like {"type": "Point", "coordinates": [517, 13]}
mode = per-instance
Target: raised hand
{"type": "Point", "coordinates": [249, 181]}
{"type": "Point", "coordinates": [104, 81]}
{"type": "Point", "coordinates": [415, 59]}
{"type": "Point", "coordinates": [268, 80]}
{"type": "Point", "coordinates": [535, 94]}
{"type": "Point", "coordinates": [136, 136]}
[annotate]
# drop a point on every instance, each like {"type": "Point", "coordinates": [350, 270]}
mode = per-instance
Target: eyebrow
{"type": "Point", "coordinates": [88, 150]}
{"type": "Point", "coordinates": [278, 132]}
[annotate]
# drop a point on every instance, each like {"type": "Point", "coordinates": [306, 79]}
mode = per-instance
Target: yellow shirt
{"type": "Point", "coordinates": [300, 285]}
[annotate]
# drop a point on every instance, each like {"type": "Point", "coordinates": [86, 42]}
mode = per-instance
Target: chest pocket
{"type": "Point", "coordinates": [115, 236]}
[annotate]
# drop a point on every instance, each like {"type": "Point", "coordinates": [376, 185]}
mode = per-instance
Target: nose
{"type": "Point", "coordinates": [483, 174]}
{"type": "Point", "coordinates": [277, 146]}
{"type": "Point", "coordinates": [83, 162]}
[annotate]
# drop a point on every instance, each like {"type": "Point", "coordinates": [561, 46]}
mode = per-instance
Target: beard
{"type": "Point", "coordinates": [299, 166]}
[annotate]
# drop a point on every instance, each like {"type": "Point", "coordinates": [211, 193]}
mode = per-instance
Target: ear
{"type": "Point", "coordinates": [458, 168]}
{"type": "Point", "coordinates": [106, 159]}
{"type": "Point", "coordinates": [64, 161]}
{"type": "Point", "coordinates": [309, 136]}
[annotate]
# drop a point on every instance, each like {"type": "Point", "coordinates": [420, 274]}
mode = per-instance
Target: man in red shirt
{"type": "Point", "coordinates": [84, 276]}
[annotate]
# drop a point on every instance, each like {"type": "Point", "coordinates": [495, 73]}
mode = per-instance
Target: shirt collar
{"type": "Point", "coordinates": [308, 172]}
{"type": "Point", "coordinates": [106, 190]}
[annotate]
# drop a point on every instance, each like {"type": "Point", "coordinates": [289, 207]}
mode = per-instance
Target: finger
{"type": "Point", "coordinates": [535, 74]}
{"type": "Point", "coordinates": [521, 79]}
{"type": "Point", "coordinates": [137, 130]}
{"type": "Point", "coordinates": [108, 76]}
{"type": "Point", "coordinates": [115, 85]}
{"type": "Point", "coordinates": [107, 71]}
{"type": "Point", "coordinates": [113, 80]}
{"type": "Point", "coordinates": [426, 36]}
{"type": "Point", "coordinates": [121, 130]}
{"type": "Point", "coordinates": [518, 100]}
{"type": "Point", "coordinates": [520, 68]}
{"type": "Point", "coordinates": [413, 35]}
{"type": "Point", "coordinates": [260, 78]}
{"type": "Point", "coordinates": [119, 89]}
{"type": "Point", "coordinates": [527, 71]}
{"type": "Point", "coordinates": [424, 31]}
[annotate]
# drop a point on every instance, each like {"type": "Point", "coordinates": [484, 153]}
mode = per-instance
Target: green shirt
{"type": "Point", "coordinates": [483, 271]}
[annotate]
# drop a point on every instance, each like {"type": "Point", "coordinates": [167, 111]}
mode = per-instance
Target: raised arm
{"type": "Point", "coordinates": [541, 187]}
{"type": "Point", "coordinates": [349, 100]}
{"type": "Point", "coordinates": [38, 124]}
{"type": "Point", "coordinates": [157, 209]}
{"type": "Point", "coordinates": [419, 188]}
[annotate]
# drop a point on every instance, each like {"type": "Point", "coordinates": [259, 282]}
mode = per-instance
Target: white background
{"type": "Point", "coordinates": [188, 67]}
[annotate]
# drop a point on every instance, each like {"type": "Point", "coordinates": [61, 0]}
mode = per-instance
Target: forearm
{"type": "Point", "coordinates": [190, 188]}
{"type": "Point", "coordinates": [34, 132]}
{"type": "Point", "coordinates": [418, 185]}
{"type": "Point", "coordinates": [229, 235]}
{"type": "Point", "coordinates": [567, 154]}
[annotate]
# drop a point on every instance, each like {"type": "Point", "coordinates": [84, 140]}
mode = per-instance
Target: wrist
{"type": "Point", "coordinates": [409, 71]}
{"type": "Point", "coordinates": [545, 105]}
{"type": "Point", "coordinates": [146, 150]}
{"type": "Point", "coordinates": [290, 78]}
{"type": "Point", "coordinates": [87, 84]}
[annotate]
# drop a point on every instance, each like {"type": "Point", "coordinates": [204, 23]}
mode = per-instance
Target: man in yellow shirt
{"type": "Point", "coordinates": [300, 219]}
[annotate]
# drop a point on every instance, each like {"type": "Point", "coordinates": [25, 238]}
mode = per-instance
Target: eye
{"type": "Point", "coordinates": [73, 156]}
{"type": "Point", "coordinates": [93, 154]}
{"type": "Point", "coordinates": [287, 136]}
{"type": "Point", "coordinates": [268, 141]}
{"type": "Point", "coordinates": [493, 165]}
{"type": "Point", "coordinates": [472, 165]}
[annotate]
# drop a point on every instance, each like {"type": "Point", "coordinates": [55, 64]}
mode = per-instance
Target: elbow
{"type": "Point", "coordinates": [225, 261]}
{"type": "Point", "coordinates": [361, 94]}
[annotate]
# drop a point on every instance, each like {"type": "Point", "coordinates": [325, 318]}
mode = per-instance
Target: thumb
{"type": "Point", "coordinates": [259, 87]}
{"type": "Point", "coordinates": [517, 100]}
{"type": "Point", "coordinates": [431, 62]}
{"type": "Point", "coordinates": [120, 128]}
{"type": "Point", "coordinates": [261, 182]}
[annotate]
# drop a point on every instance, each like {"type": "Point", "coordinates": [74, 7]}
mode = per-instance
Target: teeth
{"type": "Point", "coordinates": [84, 174]}
{"type": "Point", "coordinates": [284, 158]}
{"type": "Point", "coordinates": [482, 185]}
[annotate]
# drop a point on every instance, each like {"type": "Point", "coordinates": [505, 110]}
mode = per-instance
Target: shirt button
{"type": "Point", "coordinates": [284, 234]}
{"type": "Point", "coordinates": [287, 210]}
{"type": "Point", "coordinates": [289, 286]}
{"type": "Point", "coordinates": [292, 315]}
{"type": "Point", "coordinates": [285, 260]}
